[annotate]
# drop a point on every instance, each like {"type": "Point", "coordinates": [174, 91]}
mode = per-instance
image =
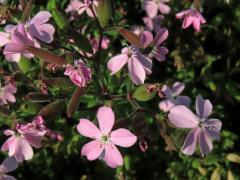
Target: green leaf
{"type": "Point", "coordinates": [233, 158]}
{"type": "Point", "coordinates": [104, 12]}
{"type": "Point", "coordinates": [38, 97]}
{"type": "Point", "coordinates": [81, 41]}
{"type": "Point", "coordinates": [24, 65]}
{"type": "Point", "coordinates": [51, 5]}
{"type": "Point", "coordinates": [59, 18]}
{"type": "Point", "coordinates": [141, 93]}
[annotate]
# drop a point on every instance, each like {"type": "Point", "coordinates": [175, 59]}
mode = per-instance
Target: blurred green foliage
{"type": "Point", "coordinates": [207, 62]}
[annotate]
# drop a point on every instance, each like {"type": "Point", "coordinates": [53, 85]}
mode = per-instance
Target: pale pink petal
{"type": "Point", "coordinates": [146, 38]}
{"type": "Point", "coordinates": [106, 118]}
{"type": "Point", "coordinates": [177, 88]}
{"type": "Point", "coordinates": [6, 177]}
{"type": "Point", "coordinates": [161, 53]}
{"type": "Point", "coordinates": [136, 71]}
{"type": "Point", "coordinates": [205, 143]}
{"type": "Point", "coordinates": [9, 28]}
{"type": "Point", "coordinates": [183, 100]}
{"type": "Point", "coordinates": [190, 143]}
{"type": "Point", "coordinates": [167, 91]}
{"type": "Point", "coordinates": [203, 107]}
{"type": "Point", "coordinates": [117, 62]}
{"type": "Point", "coordinates": [88, 129]}
{"type": "Point", "coordinates": [92, 150]}
{"type": "Point", "coordinates": [123, 137]}
{"type": "Point", "coordinates": [213, 127]}
{"type": "Point", "coordinates": [149, 24]}
{"type": "Point", "coordinates": [197, 25]}
{"type": "Point", "coordinates": [9, 164]}
{"type": "Point", "coordinates": [89, 12]}
{"type": "Point", "coordinates": [9, 145]}
{"type": "Point", "coordinates": [182, 117]}
{"type": "Point", "coordinates": [166, 105]}
{"type": "Point", "coordinates": [25, 150]}
{"type": "Point", "coordinates": [4, 38]}
{"type": "Point", "coordinates": [151, 8]}
{"type": "Point", "coordinates": [41, 18]}
{"type": "Point", "coordinates": [113, 158]}
{"type": "Point", "coordinates": [163, 8]}
{"type": "Point", "coordinates": [161, 36]}
{"type": "Point", "coordinates": [13, 57]}
{"type": "Point", "coordinates": [188, 20]}
{"type": "Point", "coordinates": [8, 132]}
{"type": "Point", "coordinates": [33, 139]}
{"type": "Point", "coordinates": [181, 14]}
{"type": "Point", "coordinates": [43, 32]}
{"type": "Point", "coordinates": [146, 63]}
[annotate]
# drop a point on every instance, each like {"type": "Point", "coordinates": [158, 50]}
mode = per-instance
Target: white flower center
{"type": "Point", "coordinates": [105, 138]}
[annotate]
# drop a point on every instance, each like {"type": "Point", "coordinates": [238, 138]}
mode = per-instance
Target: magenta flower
{"type": "Point", "coordinates": [79, 73]}
{"type": "Point", "coordinates": [20, 40]}
{"type": "Point", "coordinates": [20, 142]}
{"type": "Point", "coordinates": [6, 94]}
{"type": "Point", "coordinates": [104, 139]}
{"type": "Point", "coordinates": [152, 6]}
{"type": "Point", "coordinates": [204, 129]}
{"type": "Point", "coordinates": [8, 165]}
{"type": "Point", "coordinates": [173, 97]}
{"type": "Point", "coordinates": [39, 28]}
{"type": "Point", "coordinates": [191, 17]}
{"type": "Point", "coordinates": [138, 64]}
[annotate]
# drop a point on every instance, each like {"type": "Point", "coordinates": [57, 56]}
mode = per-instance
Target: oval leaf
{"type": "Point", "coordinates": [104, 12]}
{"type": "Point", "coordinates": [230, 175]}
{"type": "Point", "coordinates": [51, 110]}
{"type": "Point", "coordinates": [47, 56]}
{"type": "Point", "coordinates": [74, 102]}
{"type": "Point", "coordinates": [38, 97]}
{"type": "Point", "coordinates": [131, 37]}
{"type": "Point", "coordinates": [233, 158]}
{"type": "Point", "coordinates": [216, 174]}
{"type": "Point", "coordinates": [141, 93]}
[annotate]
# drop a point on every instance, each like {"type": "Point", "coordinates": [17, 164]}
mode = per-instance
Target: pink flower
{"type": "Point", "coordinates": [39, 28]}
{"type": "Point", "coordinates": [173, 97]}
{"type": "Point", "coordinates": [20, 40]}
{"type": "Point", "coordinates": [138, 64]}
{"type": "Point", "coordinates": [76, 5]}
{"type": "Point", "coordinates": [152, 6]}
{"type": "Point", "coordinates": [6, 94]}
{"type": "Point", "coordinates": [4, 38]}
{"type": "Point", "coordinates": [153, 24]}
{"type": "Point", "coordinates": [8, 165]}
{"type": "Point", "coordinates": [159, 51]}
{"type": "Point", "coordinates": [204, 129]}
{"type": "Point", "coordinates": [20, 142]}
{"type": "Point", "coordinates": [104, 139]}
{"type": "Point", "coordinates": [104, 45]}
{"type": "Point", "coordinates": [79, 73]}
{"type": "Point", "coordinates": [191, 17]}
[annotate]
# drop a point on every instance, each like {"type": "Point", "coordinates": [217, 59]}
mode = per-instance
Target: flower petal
{"type": "Point", "coordinates": [183, 100]}
{"type": "Point", "coordinates": [136, 70]}
{"type": "Point", "coordinates": [213, 127]}
{"type": "Point", "coordinates": [112, 157]}
{"type": "Point", "coordinates": [163, 8]}
{"type": "Point", "coordinates": [123, 137]}
{"type": "Point", "coordinates": [151, 8]}
{"type": "Point", "coordinates": [146, 38]}
{"type": "Point", "coordinates": [205, 143]}
{"type": "Point", "coordinates": [177, 88]}
{"type": "Point", "coordinates": [43, 32]}
{"type": "Point", "coordinates": [190, 142]}
{"type": "Point", "coordinates": [41, 18]}
{"type": "Point", "coordinates": [161, 36]}
{"type": "Point", "coordinates": [106, 118]}
{"type": "Point", "coordinates": [88, 129]}
{"type": "Point", "coordinates": [166, 105]}
{"type": "Point", "coordinates": [203, 107]}
{"type": "Point", "coordinates": [33, 139]}
{"type": "Point", "coordinates": [6, 177]}
{"type": "Point", "coordinates": [117, 62]}
{"type": "Point", "coordinates": [9, 164]}
{"type": "Point", "coordinates": [182, 117]}
{"type": "Point", "coordinates": [92, 150]}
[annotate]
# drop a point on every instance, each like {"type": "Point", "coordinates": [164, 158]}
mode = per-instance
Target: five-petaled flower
{"type": "Point", "coordinates": [173, 97]}
{"type": "Point", "coordinates": [152, 6]}
{"type": "Point", "coordinates": [25, 136]}
{"type": "Point", "coordinates": [138, 64]}
{"type": "Point", "coordinates": [204, 129]}
{"type": "Point", "coordinates": [79, 73]}
{"type": "Point", "coordinates": [191, 17]}
{"type": "Point", "coordinates": [105, 139]}
{"type": "Point", "coordinates": [6, 94]}
{"type": "Point", "coordinates": [8, 165]}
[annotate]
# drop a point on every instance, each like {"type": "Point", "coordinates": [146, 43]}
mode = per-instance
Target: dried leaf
{"type": "Point", "coordinates": [74, 102]}
{"type": "Point", "coordinates": [51, 110]}
{"type": "Point", "coordinates": [131, 37]}
{"type": "Point", "coordinates": [230, 175]}
{"type": "Point", "coordinates": [216, 174]}
{"type": "Point", "coordinates": [233, 158]}
{"type": "Point", "coordinates": [47, 56]}
{"type": "Point", "coordinates": [38, 97]}
{"type": "Point", "coordinates": [27, 11]}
